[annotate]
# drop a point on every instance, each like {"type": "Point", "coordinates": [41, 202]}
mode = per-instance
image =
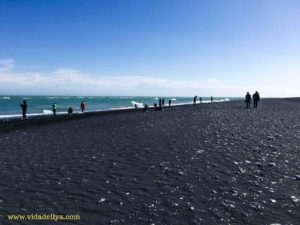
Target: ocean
{"type": "Point", "coordinates": [41, 105]}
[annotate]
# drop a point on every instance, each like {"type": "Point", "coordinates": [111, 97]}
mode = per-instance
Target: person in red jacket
{"type": "Point", "coordinates": [82, 106]}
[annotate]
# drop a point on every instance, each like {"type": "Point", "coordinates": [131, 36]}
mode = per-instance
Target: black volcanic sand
{"type": "Point", "coordinates": [207, 164]}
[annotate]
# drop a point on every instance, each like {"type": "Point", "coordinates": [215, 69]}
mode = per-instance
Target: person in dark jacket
{"type": "Point", "coordinates": [256, 99]}
{"type": "Point", "coordinates": [54, 109]}
{"type": "Point", "coordinates": [24, 109]}
{"type": "Point", "coordinates": [170, 102]}
{"type": "Point", "coordinates": [194, 100]}
{"type": "Point", "coordinates": [248, 100]}
{"type": "Point", "coordinates": [82, 106]}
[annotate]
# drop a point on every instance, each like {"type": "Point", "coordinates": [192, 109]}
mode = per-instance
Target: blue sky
{"type": "Point", "coordinates": [180, 48]}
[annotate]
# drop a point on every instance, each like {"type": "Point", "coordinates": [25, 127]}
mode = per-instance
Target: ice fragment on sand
{"type": "Point", "coordinates": [192, 208]}
{"type": "Point", "coordinates": [200, 151]}
{"type": "Point", "coordinates": [297, 177]}
{"type": "Point", "coordinates": [102, 200]}
{"type": "Point", "coordinates": [247, 161]}
{"type": "Point", "coordinates": [295, 199]}
{"type": "Point", "coordinates": [241, 170]}
{"type": "Point", "coordinates": [271, 164]}
{"type": "Point", "coordinates": [272, 200]}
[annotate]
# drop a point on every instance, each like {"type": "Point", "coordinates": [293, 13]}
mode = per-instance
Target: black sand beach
{"type": "Point", "coordinates": [206, 164]}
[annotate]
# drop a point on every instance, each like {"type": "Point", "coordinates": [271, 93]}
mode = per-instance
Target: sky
{"type": "Point", "coordinates": [150, 47]}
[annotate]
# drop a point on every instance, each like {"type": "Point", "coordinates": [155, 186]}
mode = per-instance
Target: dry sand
{"type": "Point", "coordinates": [207, 164]}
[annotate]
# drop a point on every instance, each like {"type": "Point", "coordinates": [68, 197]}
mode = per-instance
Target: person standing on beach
{"type": "Point", "coordinates": [163, 102]}
{"type": "Point", "coordinates": [170, 101]}
{"type": "Point", "coordinates": [54, 109]}
{"type": "Point", "coordinates": [70, 110]}
{"type": "Point", "coordinates": [200, 99]}
{"type": "Point", "coordinates": [82, 106]}
{"type": "Point", "coordinates": [24, 109]}
{"type": "Point", "coordinates": [160, 104]}
{"type": "Point", "coordinates": [194, 100]}
{"type": "Point", "coordinates": [248, 100]}
{"type": "Point", "coordinates": [145, 108]}
{"type": "Point", "coordinates": [256, 98]}
{"type": "Point", "coordinates": [211, 98]}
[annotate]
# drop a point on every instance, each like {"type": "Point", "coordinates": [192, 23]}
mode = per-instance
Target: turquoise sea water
{"type": "Point", "coordinates": [37, 105]}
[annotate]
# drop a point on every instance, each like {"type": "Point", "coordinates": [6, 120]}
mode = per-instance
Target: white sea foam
{"type": "Point", "coordinates": [173, 99]}
{"type": "Point", "coordinates": [139, 105]}
{"type": "Point", "coordinates": [46, 111]}
{"type": "Point", "coordinates": [5, 98]}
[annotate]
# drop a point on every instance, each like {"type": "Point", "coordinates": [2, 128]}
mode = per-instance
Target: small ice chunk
{"type": "Point", "coordinates": [271, 164]}
{"type": "Point", "coordinates": [272, 200]}
{"type": "Point", "coordinates": [192, 208]}
{"type": "Point", "coordinates": [295, 199]}
{"type": "Point", "coordinates": [102, 200]}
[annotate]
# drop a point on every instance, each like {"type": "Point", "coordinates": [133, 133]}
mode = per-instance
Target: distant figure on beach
{"type": "Point", "coordinates": [145, 107]}
{"type": "Point", "coordinates": [248, 100]}
{"type": "Point", "coordinates": [54, 108]}
{"type": "Point", "coordinates": [160, 104]}
{"type": "Point", "coordinates": [155, 106]}
{"type": "Point", "coordinates": [163, 102]}
{"type": "Point", "coordinates": [135, 106]}
{"type": "Point", "coordinates": [82, 106]}
{"type": "Point", "coordinates": [170, 102]}
{"type": "Point", "coordinates": [211, 98]}
{"type": "Point", "coordinates": [200, 99]}
{"type": "Point", "coordinates": [24, 109]}
{"type": "Point", "coordinates": [194, 100]}
{"type": "Point", "coordinates": [256, 98]}
{"type": "Point", "coordinates": [70, 110]}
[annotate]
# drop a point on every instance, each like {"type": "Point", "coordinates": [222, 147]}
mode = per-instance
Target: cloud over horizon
{"type": "Point", "coordinates": [69, 81]}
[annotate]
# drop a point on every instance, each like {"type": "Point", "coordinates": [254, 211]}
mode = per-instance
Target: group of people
{"type": "Point", "coordinates": [255, 98]}
{"type": "Point", "coordinates": [200, 99]}
{"type": "Point", "coordinates": [24, 107]}
{"type": "Point", "coordinates": [160, 105]}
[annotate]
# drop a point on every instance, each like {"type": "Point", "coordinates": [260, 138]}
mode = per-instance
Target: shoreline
{"type": "Point", "coordinates": [10, 123]}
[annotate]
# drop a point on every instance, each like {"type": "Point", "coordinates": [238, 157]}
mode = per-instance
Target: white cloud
{"type": "Point", "coordinates": [68, 81]}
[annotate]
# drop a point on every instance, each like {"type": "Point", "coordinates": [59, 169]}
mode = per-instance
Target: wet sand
{"type": "Point", "coordinates": [206, 164]}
